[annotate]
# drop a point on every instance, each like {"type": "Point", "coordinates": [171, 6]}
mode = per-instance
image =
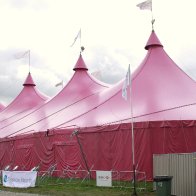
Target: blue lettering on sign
{"type": "Point", "coordinates": [5, 178]}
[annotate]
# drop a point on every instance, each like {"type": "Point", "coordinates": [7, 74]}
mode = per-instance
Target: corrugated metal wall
{"type": "Point", "coordinates": [182, 167]}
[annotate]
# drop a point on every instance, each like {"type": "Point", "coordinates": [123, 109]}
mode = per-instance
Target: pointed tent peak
{"type": "Point", "coordinates": [153, 41]}
{"type": "Point", "coordinates": [80, 65]}
{"type": "Point", "coordinates": [29, 81]}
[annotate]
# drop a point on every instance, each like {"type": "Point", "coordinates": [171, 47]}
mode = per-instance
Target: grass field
{"type": "Point", "coordinates": [75, 188]}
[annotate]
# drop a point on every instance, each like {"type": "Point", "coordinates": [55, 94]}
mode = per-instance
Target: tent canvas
{"type": "Point", "coordinates": [163, 99]}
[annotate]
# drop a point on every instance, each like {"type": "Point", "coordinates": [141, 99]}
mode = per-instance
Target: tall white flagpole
{"type": "Point", "coordinates": [127, 95]}
{"type": "Point", "coordinates": [132, 126]}
{"type": "Point", "coordinates": [132, 134]}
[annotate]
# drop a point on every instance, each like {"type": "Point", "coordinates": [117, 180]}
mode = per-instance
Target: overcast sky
{"type": "Point", "coordinates": [114, 33]}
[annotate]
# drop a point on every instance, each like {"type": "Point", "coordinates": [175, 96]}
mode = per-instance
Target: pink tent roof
{"type": "Point", "coordinates": [28, 99]}
{"type": "Point", "coordinates": [79, 89]}
{"type": "Point", "coordinates": [160, 91]}
{"type": "Point", "coordinates": [159, 86]}
{"type": "Point", "coordinates": [80, 65]}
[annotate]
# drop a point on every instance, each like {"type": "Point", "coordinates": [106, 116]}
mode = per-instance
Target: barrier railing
{"type": "Point", "coordinates": [140, 179]}
{"type": "Point", "coordinates": [122, 179]}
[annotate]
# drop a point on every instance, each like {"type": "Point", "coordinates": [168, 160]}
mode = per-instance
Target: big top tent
{"type": "Point", "coordinates": [161, 107]}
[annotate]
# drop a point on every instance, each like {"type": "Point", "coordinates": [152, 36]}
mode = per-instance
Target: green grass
{"type": "Point", "coordinates": [62, 187]}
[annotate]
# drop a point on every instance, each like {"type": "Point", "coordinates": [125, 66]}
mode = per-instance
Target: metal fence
{"type": "Point", "coordinates": [121, 179]}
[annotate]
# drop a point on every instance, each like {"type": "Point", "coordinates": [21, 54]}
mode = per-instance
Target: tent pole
{"type": "Point", "coordinates": [133, 141]}
{"type": "Point", "coordinates": [82, 152]}
{"type": "Point", "coordinates": [133, 157]}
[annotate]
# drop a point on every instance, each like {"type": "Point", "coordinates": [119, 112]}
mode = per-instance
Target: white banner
{"type": "Point", "coordinates": [19, 179]}
{"type": "Point", "coordinates": [104, 178]}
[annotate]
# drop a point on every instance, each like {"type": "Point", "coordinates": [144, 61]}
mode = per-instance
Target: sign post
{"type": "Point", "coordinates": [104, 178]}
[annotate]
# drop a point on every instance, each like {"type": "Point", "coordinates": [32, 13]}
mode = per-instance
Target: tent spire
{"type": "Point", "coordinates": [29, 81]}
{"type": "Point", "coordinates": [153, 41]}
{"type": "Point", "coordinates": [80, 64]}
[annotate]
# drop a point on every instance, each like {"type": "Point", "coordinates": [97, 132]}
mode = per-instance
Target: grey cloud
{"type": "Point", "coordinates": [109, 64]}
{"type": "Point", "coordinates": [10, 82]}
{"type": "Point", "coordinates": [187, 61]}
{"type": "Point", "coordinates": [26, 4]}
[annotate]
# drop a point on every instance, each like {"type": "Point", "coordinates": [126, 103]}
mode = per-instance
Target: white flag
{"type": "Point", "coordinates": [22, 54]}
{"type": "Point", "coordinates": [77, 36]}
{"type": "Point", "coordinates": [146, 5]}
{"type": "Point", "coordinates": [126, 85]}
{"type": "Point", "coordinates": [59, 84]}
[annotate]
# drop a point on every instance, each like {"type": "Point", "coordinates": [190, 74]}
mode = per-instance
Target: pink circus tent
{"type": "Point", "coordinates": [65, 105]}
{"type": "Point", "coordinates": [163, 100]}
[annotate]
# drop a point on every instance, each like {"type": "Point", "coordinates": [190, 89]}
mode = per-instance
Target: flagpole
{"type": "Point", "coordinates": [81, 47]}
{"type": "Point", "coordinates": [147, 5]}
{"type": "Point", "coordinates": [29, 60]}
{"type": "Point", "coordinates": [153, 20]}
{"type": "Point", "coordinates": [133, 140]}
{"type": "Point", "coordinates": [80, 37]}
{"type": "Point", "coordinates": [77, 36]}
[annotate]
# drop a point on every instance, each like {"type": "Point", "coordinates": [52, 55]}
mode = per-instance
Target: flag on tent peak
{"type": "Point", "coordinates": [22, 54]}
{"type": "Point", "coordinates": [146, 5]}
{"type": "Point", "coordinates": [77, 36]}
